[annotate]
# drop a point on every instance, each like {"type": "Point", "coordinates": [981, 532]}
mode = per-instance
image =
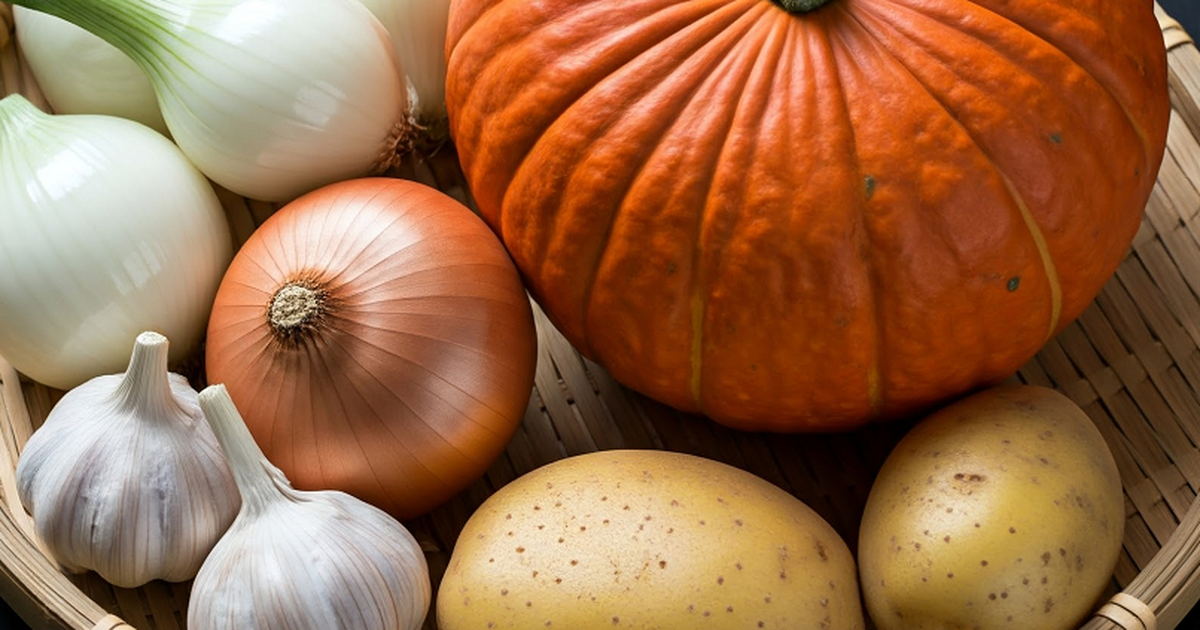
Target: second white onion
{"type": "Point", "coordinates": [268, 98]}
{"type": "Point", "coordinates": [108, 232]}
{"type": "Point", "coordinates": [79, 73]}
{"type": "Point", "coordinates": [418, 30]}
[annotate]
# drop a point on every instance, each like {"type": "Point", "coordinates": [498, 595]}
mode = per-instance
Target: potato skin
{"type": "Point", "coordinates": [647, 539]}
{"type": "Point", "coordinates": [1003, 510]}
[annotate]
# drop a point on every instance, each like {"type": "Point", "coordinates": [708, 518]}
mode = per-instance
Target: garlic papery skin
{"type": "Point", "coordinates": [418, 30]}
{"type": "Point", "coordinates": [302, 559]}
{"type": "Point", "coordinates": [269, 98]}
{"type": "Point", "coordinates": [107, 231]}
{"type": "Point", "coordinates": [80, 73]}
{"type": "Point", "coordinates": [125, 477]}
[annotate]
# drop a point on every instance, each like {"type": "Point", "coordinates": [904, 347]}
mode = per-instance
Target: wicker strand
{"type": "Point", "coordinates": [112, 622]}
{"type": "Point", "coordinates": [1173, 32]}
{"type": "Point", "coordinates": [1129, 612]}
{"type": "Point", "coordinates": [12, 439]}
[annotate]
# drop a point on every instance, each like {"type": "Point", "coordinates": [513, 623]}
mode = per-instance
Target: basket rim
{"type": "Point", "coordinates": [1161, 595]}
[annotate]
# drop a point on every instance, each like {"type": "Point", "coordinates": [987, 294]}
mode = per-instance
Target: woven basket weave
{"type": "Point", "coordinates": [1132, 361]}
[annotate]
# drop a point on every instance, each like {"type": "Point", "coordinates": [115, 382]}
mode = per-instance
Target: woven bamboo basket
{"type": "Point", "coordinates": [1132, 361]}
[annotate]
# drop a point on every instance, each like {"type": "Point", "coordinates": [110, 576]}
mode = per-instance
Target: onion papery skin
{"type": "Point", "coordinates": [417, 371]}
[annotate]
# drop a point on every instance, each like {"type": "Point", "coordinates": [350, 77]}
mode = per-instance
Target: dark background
{"type": "Point", "coordinates": [1188, 14]}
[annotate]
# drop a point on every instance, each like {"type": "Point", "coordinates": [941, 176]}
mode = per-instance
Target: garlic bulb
{"type": "Point", "coordinates": [80, 73]}
{"type": "Point", "coordinates": [126, 478]}
{"type": "Point", "coordinates": [302, 559]}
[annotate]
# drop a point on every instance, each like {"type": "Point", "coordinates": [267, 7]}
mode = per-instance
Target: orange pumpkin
{"type": "Point", "coordinates": [797, 219]}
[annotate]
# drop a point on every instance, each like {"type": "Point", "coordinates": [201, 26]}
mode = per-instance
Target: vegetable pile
{"type": "Point", "coordinates": [787, 216]}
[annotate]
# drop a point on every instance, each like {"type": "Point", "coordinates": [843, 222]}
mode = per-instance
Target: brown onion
{"type": "Point", "coordinates": [378, 340]}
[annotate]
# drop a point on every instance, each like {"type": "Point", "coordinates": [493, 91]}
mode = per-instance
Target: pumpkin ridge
{"type": "Point", "coordinates": [1043, 249]}
{"type": "Point", "coordinates": [1027, 217]}
{"type": "Point", "coordinates": [875, 369]}
{"type": "Point", "coordinates": [1142, 133]}
{"type": "Point", "coordinates": [1149, 143]}
{"type": "Point", "coordinates": [701, 277]}
{"type": "Point", "coordinates": [728, 18]}
{"type": "Point", "coordinates": [481, 21]}
{"type": "Point", "coordinates": [691, 29]}
{"type": "Point", "coordinates": [696, 380]}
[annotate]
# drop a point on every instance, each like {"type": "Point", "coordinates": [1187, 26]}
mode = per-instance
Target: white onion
{"type": "Point", "coordinates": [268, 98]}
{"type": "Point", "coordinates": [108, 231]}
{"type": "Point", "coordinates": [418, 30]}
{"type": "Point", "coordinates": [80, 73]}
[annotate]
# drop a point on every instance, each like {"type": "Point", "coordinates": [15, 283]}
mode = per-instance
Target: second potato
{"type": "Point", "coordinates": [647, 539]}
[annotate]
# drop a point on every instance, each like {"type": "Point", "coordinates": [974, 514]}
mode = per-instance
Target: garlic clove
{"type": "Point", "coordinates": [313, 562]}
{"type": "Point", "coordinates": [302, 559]}
{"type": "Point", "coordinates": [125, 477]}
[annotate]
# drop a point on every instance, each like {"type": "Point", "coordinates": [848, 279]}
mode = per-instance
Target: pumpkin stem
{"type": "Point", "coordinates": [800, 6]}
{"type": "Point", "coordinates": [295, 309]}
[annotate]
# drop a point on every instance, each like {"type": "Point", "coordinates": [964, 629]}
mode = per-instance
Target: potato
{"type": "Point", "coordinates": [1003, 510]}
{"type": "Point", "coordinates": [647, 539]}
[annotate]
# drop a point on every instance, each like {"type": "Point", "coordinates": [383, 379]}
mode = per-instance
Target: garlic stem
{"type": "Point", "coordinates": [145, 387]}
{"type": "Point", "coordinates": [259, 482]}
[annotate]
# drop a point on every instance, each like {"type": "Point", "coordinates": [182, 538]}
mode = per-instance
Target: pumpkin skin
{"type": "Point", "coordinates": [807, 221]}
